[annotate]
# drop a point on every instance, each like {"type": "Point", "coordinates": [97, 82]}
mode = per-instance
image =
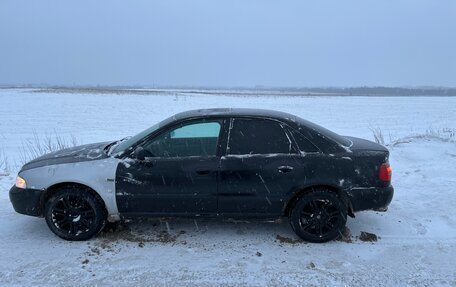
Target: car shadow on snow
{"type": "Point", "coordinates": [211, 231]}
{"type": "Point", "coordinates": [179, 231]}
{"type": "Point", "coordinates": [191, 232]}
{"type": "Point", "coordinates": [187, 231]}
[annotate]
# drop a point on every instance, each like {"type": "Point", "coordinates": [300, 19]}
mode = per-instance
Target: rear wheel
{"type": "Point", "coordinates": [73, 213]}
{"type": "Point", "coordinates": [319, 216]}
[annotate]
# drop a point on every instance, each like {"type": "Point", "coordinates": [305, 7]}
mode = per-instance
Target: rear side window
{"type": "Point", "coordinates": [303, 143]}
{"type": "Point", "coordinates": [258, 136]}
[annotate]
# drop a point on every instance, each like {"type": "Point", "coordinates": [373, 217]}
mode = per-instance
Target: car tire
{"type": "Point", "coordinates": [318, 216]}
{"type": "Point", "coordinates": [74, 214]}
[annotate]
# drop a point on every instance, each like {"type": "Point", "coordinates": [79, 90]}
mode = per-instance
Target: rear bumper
{"type": "Point", "coordinates": [26, 201]}
{"type": "Point", "coordinates": [377, 198]}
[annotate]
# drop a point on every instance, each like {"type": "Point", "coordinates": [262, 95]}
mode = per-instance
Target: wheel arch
{"type": "Point", "coordinates": [300, 191]}
{"type": "Point", "coordinates": [51, 190]}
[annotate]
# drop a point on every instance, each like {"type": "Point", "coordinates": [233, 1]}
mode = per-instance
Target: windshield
{"type": "Point", "coordinates": [123, 145]}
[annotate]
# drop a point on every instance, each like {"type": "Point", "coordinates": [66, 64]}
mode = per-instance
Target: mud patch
{"type": "Point", "coordinates": [151, 233]}
{"type": "Point", "coordinates": [346, 236]}
{"type": "Point", "coordinates": [117, 236]}
{"type": "Point", "coordinates": [288, 240]}
{"type": "Point", "coordinates": [368, 237]}
{"type": "Point", "coordinates": [311, 265]}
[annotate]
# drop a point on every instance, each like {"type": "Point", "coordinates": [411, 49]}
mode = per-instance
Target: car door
{"type": "Point", "coordinates": [261, 166]}
{"type": "Point", "coordinates": [179, 174]}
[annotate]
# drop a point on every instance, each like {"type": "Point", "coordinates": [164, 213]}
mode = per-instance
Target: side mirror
{"type": "Point", "coordinates": [140, 153]}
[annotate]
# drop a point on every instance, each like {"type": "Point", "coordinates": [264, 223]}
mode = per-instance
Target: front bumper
{"type": "Point", "coordinates": [26, 201]}
{"type": "Point", "coordinates": [376, 198]}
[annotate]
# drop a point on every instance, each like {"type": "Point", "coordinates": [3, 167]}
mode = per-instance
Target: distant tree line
{"type": "Point", "coordinates": [258, 90]}
{"type": "Point", "coordinates": [376, 91]}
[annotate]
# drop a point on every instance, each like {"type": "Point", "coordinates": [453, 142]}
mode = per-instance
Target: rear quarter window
{"type": "Point", "coordinates": [303, 143]}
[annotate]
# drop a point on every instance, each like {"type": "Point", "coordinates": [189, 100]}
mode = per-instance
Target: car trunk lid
{"type": "Point", "coordinates": [365, 145]}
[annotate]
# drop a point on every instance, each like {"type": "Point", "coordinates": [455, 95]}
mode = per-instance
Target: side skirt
{"type": "Point", "coordinates": [235, 217]}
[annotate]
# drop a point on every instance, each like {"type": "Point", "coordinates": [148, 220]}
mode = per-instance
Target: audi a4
{"type": "Point", "coordinates": [226, 163]}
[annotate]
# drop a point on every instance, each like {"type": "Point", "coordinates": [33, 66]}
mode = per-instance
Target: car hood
{"type": "Point", "coordinates": [69, 155]}
{"type": "Point", "coordinates": [365, 145]}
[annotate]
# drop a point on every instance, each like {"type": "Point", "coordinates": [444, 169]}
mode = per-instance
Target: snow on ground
{"type": "Point", "coordinates": [417, 244]}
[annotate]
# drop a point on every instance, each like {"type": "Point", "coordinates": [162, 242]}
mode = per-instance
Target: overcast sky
{"type": "Point", "coordinates": [229, 43]}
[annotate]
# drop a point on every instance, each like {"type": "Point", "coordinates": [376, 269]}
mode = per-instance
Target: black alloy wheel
{"type": "Point", "coordinates": [73, 213]}
{"type": "Point", "coordinates": [319, 216]}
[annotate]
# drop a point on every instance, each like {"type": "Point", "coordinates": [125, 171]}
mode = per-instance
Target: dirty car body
{"type": "Point", "coordinates": [236, 163]}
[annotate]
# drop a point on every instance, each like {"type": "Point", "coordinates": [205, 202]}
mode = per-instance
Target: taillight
{"type": "Point", "coordinates": [385, 172]}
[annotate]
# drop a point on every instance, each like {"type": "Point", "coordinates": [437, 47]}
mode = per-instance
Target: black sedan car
{"type": "Point", "coordinates": [230, 163]}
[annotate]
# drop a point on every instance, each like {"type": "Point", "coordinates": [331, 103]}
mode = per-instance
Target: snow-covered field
{"type": "Point", "coordinates": [417, 244]}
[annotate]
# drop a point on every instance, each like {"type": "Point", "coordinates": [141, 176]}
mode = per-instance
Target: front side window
{"type": "Point", "coordinates": [191, 139]}
{"type": "Point", "coordinates": [258, 136]}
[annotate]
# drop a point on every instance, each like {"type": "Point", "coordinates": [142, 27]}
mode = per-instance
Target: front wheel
{"type": "Point", "coordinates": [319, 216]}
{"type": "Point", "coordinates": [74, 214]}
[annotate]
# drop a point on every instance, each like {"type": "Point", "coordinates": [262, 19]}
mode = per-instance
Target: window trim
{"type": "Point", "coordinates": [303, 153]}
{"type": "Point", "coordinates": [284, 127]}
{"type": "Point", "coordinates": [173, 125]}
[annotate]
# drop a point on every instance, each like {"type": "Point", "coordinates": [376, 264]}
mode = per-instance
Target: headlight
{"type": "Point", "coordinates": [20, 182]}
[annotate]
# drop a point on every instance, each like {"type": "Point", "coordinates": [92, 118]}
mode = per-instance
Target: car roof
{"type": "Point", "coordinates": [235, 112]}
{"type": "Point", "coordinates": [292, 120]}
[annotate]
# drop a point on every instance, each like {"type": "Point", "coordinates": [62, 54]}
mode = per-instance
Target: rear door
{"type": "Point", "coordinates": [261, 165]}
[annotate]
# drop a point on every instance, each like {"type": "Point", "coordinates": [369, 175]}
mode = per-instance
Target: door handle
{"type": "Point", "coordinates": [203, 172]}
{"type": "Point", "coordinates": [285, 168]}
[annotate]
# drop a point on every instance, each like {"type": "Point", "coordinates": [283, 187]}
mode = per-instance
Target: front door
{"type": "Point", "coordinates": [179, 175]}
